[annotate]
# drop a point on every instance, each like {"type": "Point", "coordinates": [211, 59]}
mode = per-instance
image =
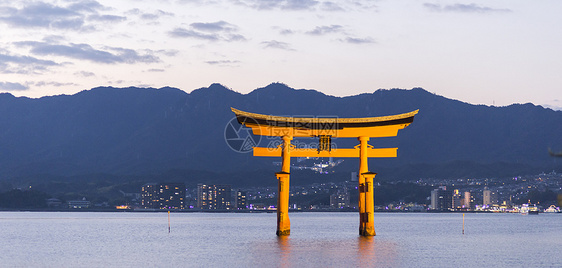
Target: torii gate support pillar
{"type": "Point", "coordinates": [283, 222]}
{"type": "Point", "coordinates": [366, 192]}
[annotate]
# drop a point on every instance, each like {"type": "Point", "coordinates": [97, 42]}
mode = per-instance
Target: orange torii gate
{"type": "Point", "coordinates": [325, 128]}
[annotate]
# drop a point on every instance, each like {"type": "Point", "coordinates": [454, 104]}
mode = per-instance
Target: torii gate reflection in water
{"type": "Point", "coordinates": [326, 128]}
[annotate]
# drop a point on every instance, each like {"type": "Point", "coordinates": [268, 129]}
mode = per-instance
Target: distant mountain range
{"type": "Point", "coordinates": [556, 108]}
{"type": "Point", "coordinates": [168, 133]}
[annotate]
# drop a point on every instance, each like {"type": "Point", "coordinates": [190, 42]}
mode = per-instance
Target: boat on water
{"type": "Point", "coordinates": [552, 209]}
{"type": "Point", "coordinates": [529, 210]}
{"type": "Point", "coordinates": [524, 209]}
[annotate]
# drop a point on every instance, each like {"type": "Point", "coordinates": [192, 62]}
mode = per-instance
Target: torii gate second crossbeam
{"type": "Point", "coordinates": [326, 128]}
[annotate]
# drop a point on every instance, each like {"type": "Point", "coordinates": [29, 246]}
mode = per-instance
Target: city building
{"type": "Point", "coordinates": [171, 196]}
{"type": "Point", "coordinates": [467, 201]}
{"type": "Point", "coordinates": [149, 197]}
{"type": "Point", "coordinates": [79, 203]}
{"type": "Point", "coordinates": [457, 199]}
{"type": "Point", "coordinates": [53, 202]}
{"type": "Point", "coordinates": [340, 199]}
{"type": "Point", "coordinates": [441, 199]}
{"type": "Point", "coordinates": [215, 196]}
{"type": "Point", "coordinates": [241, 200]}
{"type": "Point", "coordinates": [163, 196]}
{"type": "Point", "coordinates": [487, 197]}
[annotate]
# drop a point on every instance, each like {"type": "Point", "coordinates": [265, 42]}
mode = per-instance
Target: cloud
{"type": "Point", "coordinates": [116, 82]}
{"type": "Point", "coordinates": [283, 31]}
{"type": "Point", "coordinates": [288, 5]}
{"type": "Point", "coordinates": [219, 26]}
{"type": "Point", "coordinates": [134, 11]}
{"type": "Point", "coordinates": [298, 4]}
{"type": "Point", "coordinates": [211, 31]}
{"type": "Point", "coordinates": [9, 86]}
{"type": "Point", "coordinates": [168, 52]}
{"type": "Point", "coordinates": [84, 74]}
{"type": "Point", "coordinates": [155, 70]}
{"type": "Point", "coordinates": [188, 33]}
{"type": "Point", "coordinates": [277, 45]}
{"type": "Point", "coordinates": [463, 8]}
{"type": "Point", "coordinates": [199, 2]}
{"type": "Point", "coordinates": [107, 18]}
{"type": "Point", "coordinates": [322, 30]}
{"type": "Point", "coordinates": [46, 15]}
{"type": "Point", "coordinates": [130, 56]}
{"type": "Point", "coordinates": [286, 31]}
{"type": "Point", "coordinates": [149, 16]}
{"type": "Point", "coordinates": [338, 29]}
{"type": "Point", "coordinates": [23, 64]}
{"type": "Point", "coordinates": [157, 15]}
{"type": "Point", "coordinates": [280, 4]}
{"type": "Point", "coordinates": [53, 38]}
{"type": "Point", "coordinates": [223, 62]}
{"type": "Point", "coordinates": [331, 6]}
{"type": "Point", "coordinates": [362, 5]}
{"type": "Point", "coordinates": [354, 40]}
{"type": "Point", "coordinates": [42, 15]}
{"type": "Point", "coordinates": [51, 83]}
{"type": "Point", "coordinates": [25, 60]}
{"type": "Point", "coordinates": [111, 55]}
{"type": "Point", "coordinates": [87, 6]}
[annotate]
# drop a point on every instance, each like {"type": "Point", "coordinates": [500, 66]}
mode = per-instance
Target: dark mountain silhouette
{"type": "Point", "coordinates": [169, 133]}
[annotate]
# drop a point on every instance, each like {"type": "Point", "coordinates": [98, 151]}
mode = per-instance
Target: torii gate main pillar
{"type": "Point", "coordinates": [283, 222]}
{"type": "Point", "coordinates": [366, 202]}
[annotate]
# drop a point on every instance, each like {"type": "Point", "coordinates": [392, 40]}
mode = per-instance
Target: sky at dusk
{"type": "Point", "coordinates": [482, 52]}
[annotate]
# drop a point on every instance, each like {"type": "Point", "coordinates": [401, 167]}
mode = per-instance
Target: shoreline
{"type": "Point", "coordinates": [244, 211]}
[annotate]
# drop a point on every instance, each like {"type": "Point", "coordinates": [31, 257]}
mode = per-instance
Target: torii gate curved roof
{"type": "Point", "coordinates": [269, 125]}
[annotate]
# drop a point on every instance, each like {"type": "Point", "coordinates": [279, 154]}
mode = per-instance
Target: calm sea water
{"type": "Point", "coordinates": [94, 239]}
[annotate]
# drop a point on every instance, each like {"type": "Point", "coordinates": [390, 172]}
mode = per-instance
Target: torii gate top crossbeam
{"type": "Point", "coordinates": [268, 125]}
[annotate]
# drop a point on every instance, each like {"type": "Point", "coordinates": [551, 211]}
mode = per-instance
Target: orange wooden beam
{"type": "Point", "coordinates": [305, 152]}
